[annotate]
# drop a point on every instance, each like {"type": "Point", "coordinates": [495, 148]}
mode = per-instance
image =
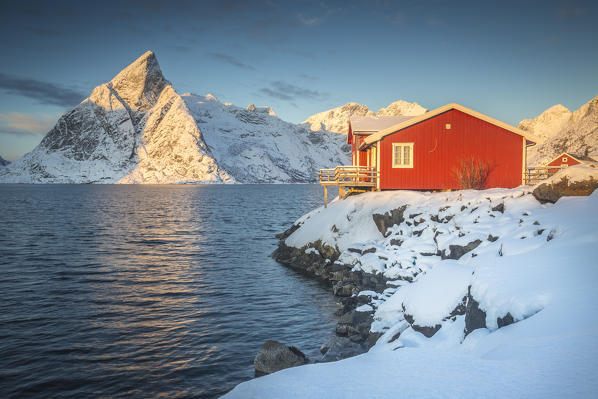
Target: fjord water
{"type": "Point", "coordinates": [145, 291]}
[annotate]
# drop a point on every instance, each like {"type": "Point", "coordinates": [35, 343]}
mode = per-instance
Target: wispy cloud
{"type": "Point", "coordinates": [17, 123]}
{"type": "Point", "coordinates": [43, 92]}
{"type": "Point", "coordinates": [290, 92]}
{"type": "Point", "coordinates": [309, 21]}
{"type": "Point", "coordinates": [572, 11]}
{"type": "Point", "coordinates": [229, 59]}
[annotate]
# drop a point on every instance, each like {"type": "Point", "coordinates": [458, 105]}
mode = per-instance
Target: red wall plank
{"type": "Point", "coordinates": [438, 152]}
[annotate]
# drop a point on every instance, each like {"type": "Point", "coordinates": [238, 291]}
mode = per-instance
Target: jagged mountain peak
{"type": "Point", "coordinates": [3, 162]}
{"type": "Point", "coordinates": [402, 107]}
{"type": "Point", "coordinates": [336, 119]}
{"type": "Point", "coordinates": [564, 131]}
{"type": "Point", "coordinates": [140, 83]}
{"type": "Point", "coordinates": [138, 129]}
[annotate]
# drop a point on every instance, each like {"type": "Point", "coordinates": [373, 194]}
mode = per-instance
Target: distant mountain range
{"type": "Point", "coordinates": [138, 129]}
{"type": "Point", "coordinates": [564, 131]}
{"type": "Point", "coordinates": [337, 119]}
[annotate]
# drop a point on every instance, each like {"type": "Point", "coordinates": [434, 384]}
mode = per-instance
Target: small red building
{"type": "Point", "coordinates": [425, 152]}
{"type": "Point", "coordinates": [565, 159]}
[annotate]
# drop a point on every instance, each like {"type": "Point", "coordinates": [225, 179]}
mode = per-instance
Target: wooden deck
{"type": "Point", "coordinates": [536, 174]}
{"type": "Point", "coordinates": [349, 179]}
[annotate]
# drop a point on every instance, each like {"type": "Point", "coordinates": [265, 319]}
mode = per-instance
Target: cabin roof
{"type": "Point", "coordinates": [372, 124]}
{"type": "Point", "coordinates": [530, 139]}
{"type": "Point", "coordinates": [577, 157]}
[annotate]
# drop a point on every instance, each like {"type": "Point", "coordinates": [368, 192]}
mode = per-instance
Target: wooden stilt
{"type": "Point", "coordinates": [325, 196]}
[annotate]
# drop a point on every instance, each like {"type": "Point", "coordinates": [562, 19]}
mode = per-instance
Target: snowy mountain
{"type": "Point", "coordinates": [138, 129]}
{"type": "Point", "coordinates": [336, 119]}
{"type": "Point", "coordinates": [3, 162]}
{"type": "Point", "coordinates": [564, 131]}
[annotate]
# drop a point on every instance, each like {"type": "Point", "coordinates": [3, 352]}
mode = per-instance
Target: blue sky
{"type": "Point", "coordinates": [508, 59]}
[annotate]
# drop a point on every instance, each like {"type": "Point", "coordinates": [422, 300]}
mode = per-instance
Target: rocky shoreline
{"type": "Point", "coordinates": [352, 334]}
{"type": "Point", "coordinates": [413, 239]}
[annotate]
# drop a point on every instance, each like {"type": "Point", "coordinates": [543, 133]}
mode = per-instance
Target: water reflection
{"type": "Point", "coordinates": [148, 290]}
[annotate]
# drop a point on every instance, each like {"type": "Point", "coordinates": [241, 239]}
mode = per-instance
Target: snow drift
{"type": "Point", "coordinates": [528, 286]}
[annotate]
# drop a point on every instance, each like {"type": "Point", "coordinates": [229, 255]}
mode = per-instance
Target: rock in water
{"type": "Point", "coordinates": [274, 356]}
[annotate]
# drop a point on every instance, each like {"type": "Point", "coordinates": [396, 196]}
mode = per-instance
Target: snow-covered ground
{"type": "Point", "coordinates": [533, 273]}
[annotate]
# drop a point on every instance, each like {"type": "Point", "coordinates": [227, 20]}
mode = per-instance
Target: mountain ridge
{"type": "Point", "coordinates": [137, 129]}
{"type": "Point", "coordinates": [336, 119]}
{"type": "Point", "coordinates": [564, 131]}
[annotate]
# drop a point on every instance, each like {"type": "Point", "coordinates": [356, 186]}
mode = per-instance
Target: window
{"type": "Point", "coordinates": [564, 159]}
{"type": "Point", "coordinates": [402, 155]}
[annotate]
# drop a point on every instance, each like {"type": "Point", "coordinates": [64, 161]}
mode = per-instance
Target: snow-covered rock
{"type": "Point", "coordinates": [138, 129]}
{"type": "Point", "coordinates": [564, 131]}
{"type": "Point", "coordinates": [337, 119]}
{"type": "Point", "coordinates": [533, 281]}
{"type": "Point", "coordinates": [3, 162]}
{"type": "Point", "coordinates": [572, 181]}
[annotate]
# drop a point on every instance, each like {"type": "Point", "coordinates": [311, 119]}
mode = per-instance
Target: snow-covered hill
{"type": "Point", "coordinates": [564, 131]}
{"type": "Point", "coordinates": [490, 294]}
{"type": "Point", "coordinates": [337, 119]}
{"type": "Point", "coordinates": [138, 129]}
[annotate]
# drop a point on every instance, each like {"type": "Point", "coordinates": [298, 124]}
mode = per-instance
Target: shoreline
{"type": "Point", "coordinates": [351, 336]}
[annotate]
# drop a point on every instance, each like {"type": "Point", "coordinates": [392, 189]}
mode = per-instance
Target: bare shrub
{"type": "Point", "coordinates": [472, 173]}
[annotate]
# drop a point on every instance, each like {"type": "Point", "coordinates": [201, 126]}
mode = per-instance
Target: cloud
{"type": "Point", "coordinates": [17, 123]}
{"type": "Point", "coordinates": [572, 12]}
{"type": "Point", "coordinates": [290, 92]}
{"type": "Point", "coordinates": [309, 21]}
{"type": "Point", "coordinates": [229, 59]}
{"type": "Point", "coordinates": [43, 92]}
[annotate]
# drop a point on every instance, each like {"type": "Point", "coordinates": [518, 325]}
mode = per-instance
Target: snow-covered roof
{"type": "Point", "coordinates": [372, 124]}
{"type": "Point", "coordinates": [530, 139]}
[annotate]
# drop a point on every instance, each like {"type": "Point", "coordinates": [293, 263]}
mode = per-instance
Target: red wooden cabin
{"type": "Point", "coordinates": [425, 152]}
{"type": "Point", "coordinates": [565, 159]}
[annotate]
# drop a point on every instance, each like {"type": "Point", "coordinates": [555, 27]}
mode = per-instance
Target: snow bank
{"type": "Point", "coordinates": [575, 173]}
{"type": "Point", "coordinates": [534, 269]}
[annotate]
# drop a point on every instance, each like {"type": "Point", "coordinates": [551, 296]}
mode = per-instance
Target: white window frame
{"type": "Point", "coordinates": [394, 161]}
{"type": "Point", "coordinates": [565, 159]}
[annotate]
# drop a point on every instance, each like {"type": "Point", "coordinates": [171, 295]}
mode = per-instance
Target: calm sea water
{"type": "Point", "coordinates": [145, 291]}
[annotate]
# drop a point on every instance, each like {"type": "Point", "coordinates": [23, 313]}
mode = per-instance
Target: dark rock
{"type": "Point", "coordinates": [389, 219]}
{"type": "Point", "coordinates": [551, 192]}
{"type": "Point", "coordinates": [457, 251]}
{"type": "Point", "coordinates": [426, 330]}
{"type": "Point", "coordinates": [492, 238]}
{"type": "Point", "coordinates": [368, 250]}
{"type": "Point", "coordinates": [373, 338]}
{"type": "Point", "coordinates": [274, 356]}
{"type": "Point", "coordinates": [344, 289]}
{"type": "Point", "coordinates": [338, 348]}
{"type": "Point", "coordinates": [505, 320]}
{"type": "Point", "coordinates": [284, 235]}
{"type": "Point", "coordinates": [499, 208]}
{"type": "Point", "coordinates": [396, 241]}
{"type": "Point", "coordinates": [474, 316]}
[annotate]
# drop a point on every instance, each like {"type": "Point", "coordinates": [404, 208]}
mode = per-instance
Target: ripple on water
{"type": "Point", "coordinates": [143, 291]}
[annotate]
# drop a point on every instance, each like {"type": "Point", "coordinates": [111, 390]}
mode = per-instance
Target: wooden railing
{"type": "Point", "coordinates": [357, 176]}
{"type": "Point", "coordinates": [536, 174]}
